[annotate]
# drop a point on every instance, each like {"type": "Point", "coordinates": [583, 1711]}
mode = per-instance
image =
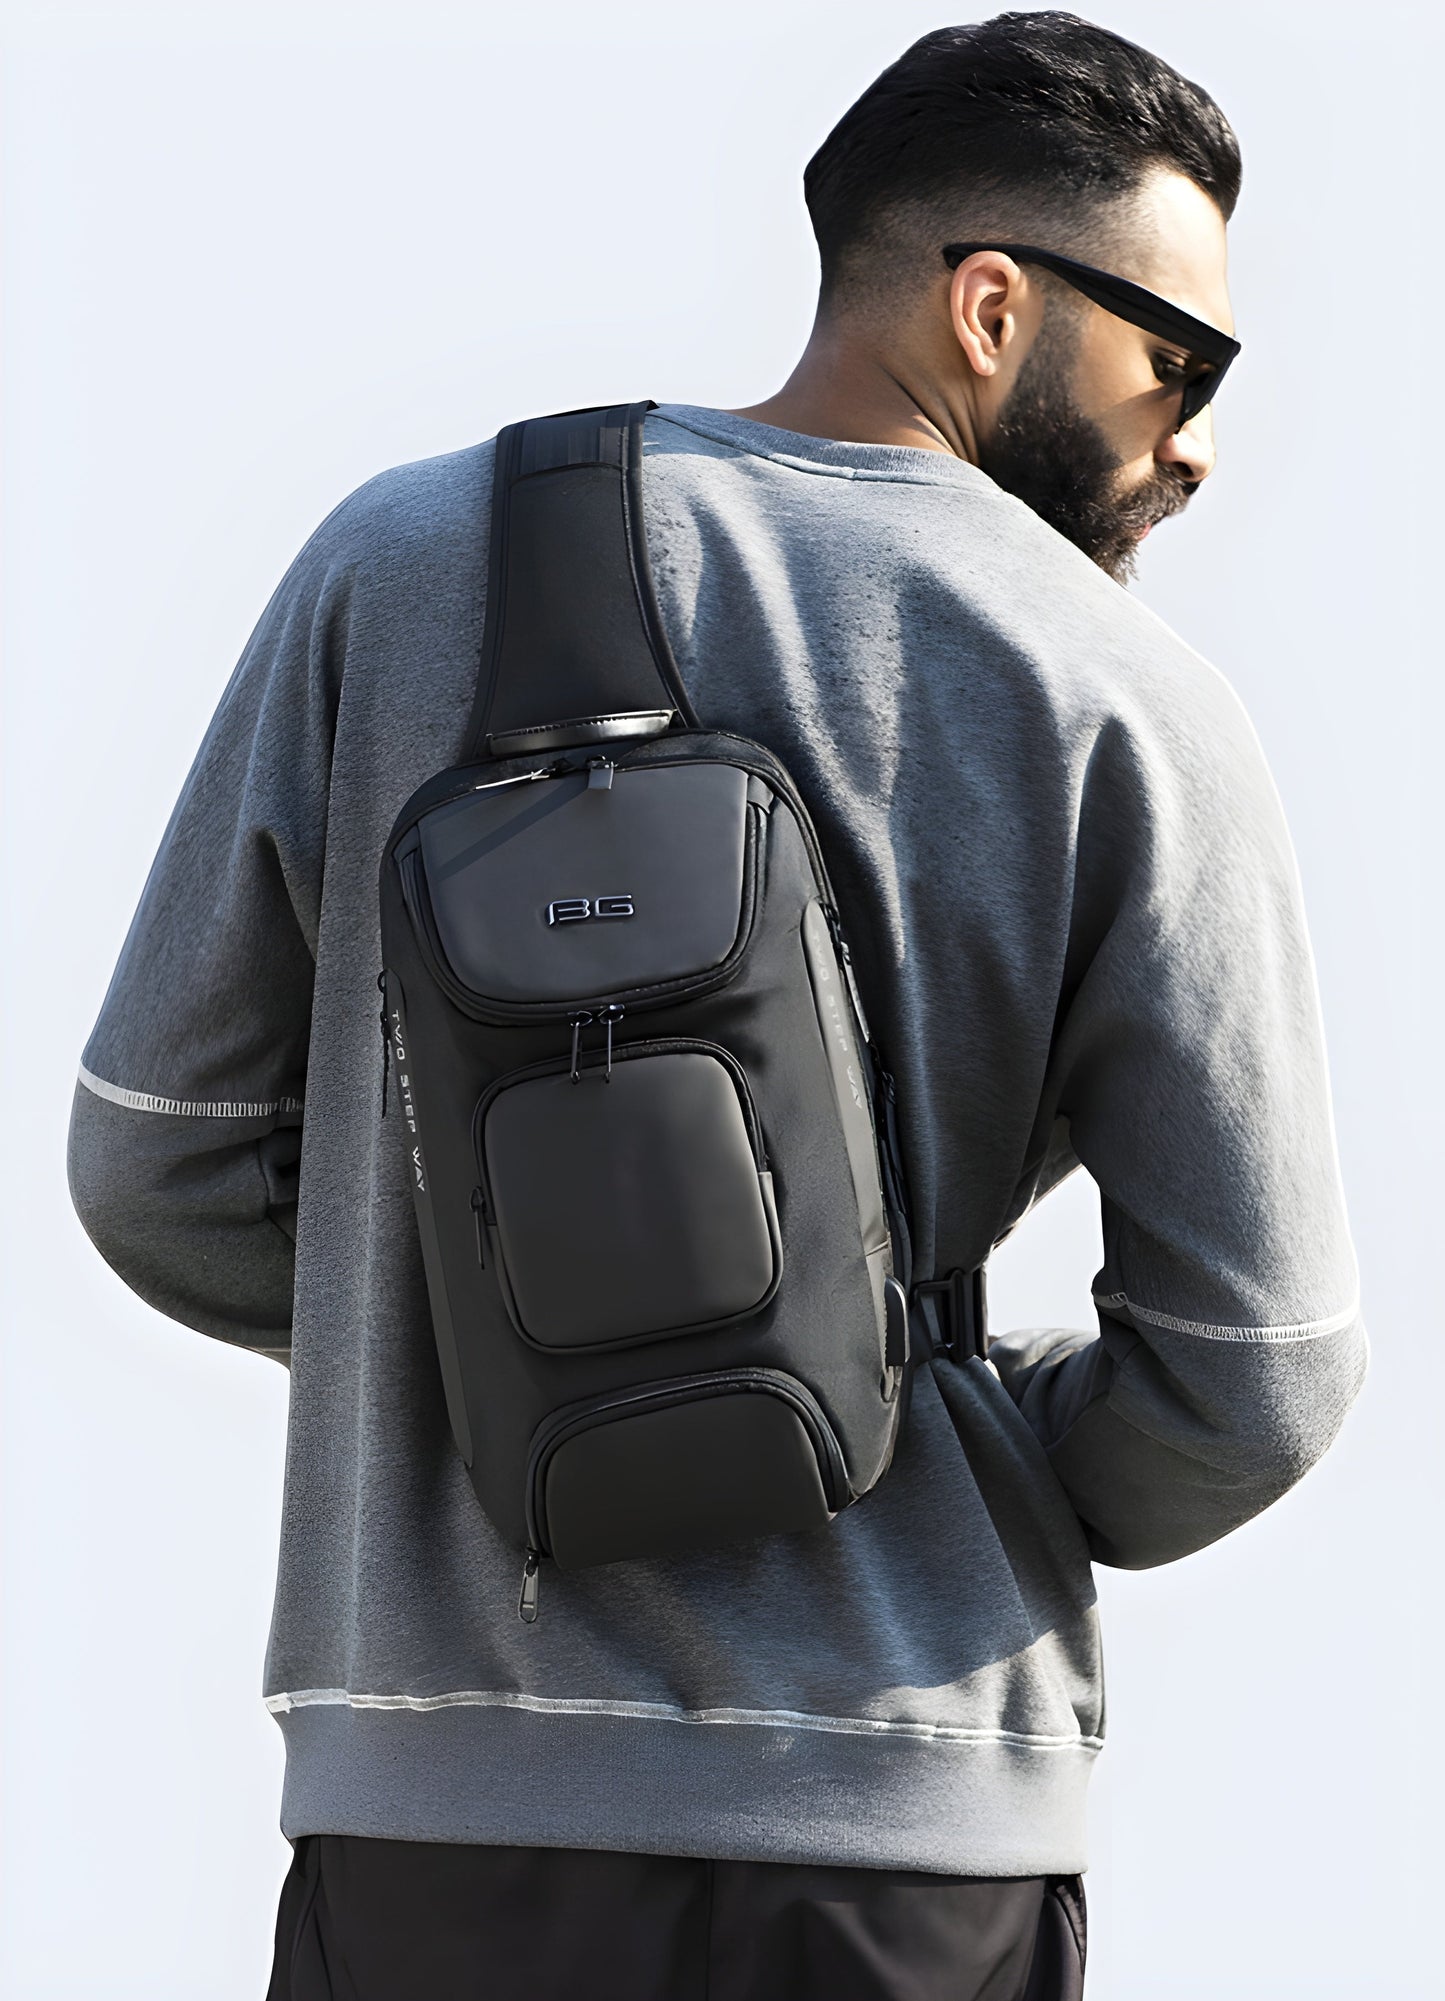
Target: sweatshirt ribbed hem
{"type": "Point", "coordinates": [990, 1805]}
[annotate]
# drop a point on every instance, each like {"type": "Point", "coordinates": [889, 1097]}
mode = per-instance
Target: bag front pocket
{"type": "Point", "coordinates": [629, 1200]}
{"type": "Point", "coordinates": [531, 900]}
{"type": "Point", "coordinates": [682, 1465]}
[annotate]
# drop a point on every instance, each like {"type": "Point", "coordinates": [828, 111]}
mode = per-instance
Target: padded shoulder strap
{"type": "Point", "coordinates": [574, 649]}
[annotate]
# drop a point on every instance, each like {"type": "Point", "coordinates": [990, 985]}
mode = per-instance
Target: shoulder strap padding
{"type": "Point", "coordinates": [574, 648]}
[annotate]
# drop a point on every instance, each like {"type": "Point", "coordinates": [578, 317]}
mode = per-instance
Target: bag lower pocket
{"type": "Point", "coordinates": [681, 1465]}
{"type": "Point", "coordinates": [629, 1201]}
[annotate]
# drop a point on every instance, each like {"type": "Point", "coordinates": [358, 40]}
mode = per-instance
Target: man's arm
{"type": "Point", "coordinates": [1189, 1063]}
{"type": "Point", "coordinates": [185, 1136]}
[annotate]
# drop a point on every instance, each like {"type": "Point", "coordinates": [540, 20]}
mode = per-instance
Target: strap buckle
{"type": "Point", "coordinates": [961, 1307]}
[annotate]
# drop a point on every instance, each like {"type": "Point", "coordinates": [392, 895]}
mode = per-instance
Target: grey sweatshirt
{"type": "Point", "coordinates": [1080, 939]}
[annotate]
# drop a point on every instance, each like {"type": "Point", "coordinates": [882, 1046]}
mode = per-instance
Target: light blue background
{"type": "Point", "coordinates": [257, 252]}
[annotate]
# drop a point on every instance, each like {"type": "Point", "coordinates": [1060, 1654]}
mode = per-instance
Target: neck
{"type": "Point", "coordinates": [845, 388]}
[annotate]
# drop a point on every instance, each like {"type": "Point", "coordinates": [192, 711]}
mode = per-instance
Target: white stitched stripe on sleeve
{"type": "Point", "coordinates": [1305, 1330]}
{"type": "Point", "coordinates": [184, 1108]}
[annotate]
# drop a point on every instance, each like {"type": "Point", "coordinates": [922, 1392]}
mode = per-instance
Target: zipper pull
{"type": "Point", "coordinates": [385, 1041]}
{"type": "Point", "coordinates": [599, 774]}
{"type": "Point", "coordinates": [610, 1014]}
{"type": "Point", "coordinates": [577, 1022]}
{"type": "Point", "coordinates": [480, 1216]}
{"type": "Point", "coordinates": [527, 1609]}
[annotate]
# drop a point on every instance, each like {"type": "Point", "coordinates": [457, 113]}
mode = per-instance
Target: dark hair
{"type": "Point", "coordinates": [1027, 117]}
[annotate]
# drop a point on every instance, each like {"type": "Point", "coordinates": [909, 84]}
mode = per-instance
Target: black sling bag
{"type": "Point", "coordinates": [653, 1151]}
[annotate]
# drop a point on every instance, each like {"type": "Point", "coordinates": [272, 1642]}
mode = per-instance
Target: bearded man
{"type": "Point", "coordinates": [850, 1763]}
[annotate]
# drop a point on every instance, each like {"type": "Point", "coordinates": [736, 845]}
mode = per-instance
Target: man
{"type": "Point", "coordinates": [853, 1763]}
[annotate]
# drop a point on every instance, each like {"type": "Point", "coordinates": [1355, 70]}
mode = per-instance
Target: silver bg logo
{"type": "Point", "coordinates": [578, 909]}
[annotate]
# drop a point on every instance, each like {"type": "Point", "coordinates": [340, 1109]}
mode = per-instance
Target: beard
{"type": "Point", "coordinates": [1060, 464]}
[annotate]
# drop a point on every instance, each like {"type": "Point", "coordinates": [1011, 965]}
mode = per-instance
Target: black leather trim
{"type": "Point", "coordinates": [579, 730]}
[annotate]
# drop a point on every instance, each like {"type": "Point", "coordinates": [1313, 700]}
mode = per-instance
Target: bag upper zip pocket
{"type": "Point", "coordinates": [416, 896]}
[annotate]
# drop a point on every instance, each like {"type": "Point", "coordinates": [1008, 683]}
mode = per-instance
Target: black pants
{"type": "Point", "coordinates": [430, 1921]}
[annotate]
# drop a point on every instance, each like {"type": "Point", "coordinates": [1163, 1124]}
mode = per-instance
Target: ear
{"type": "Point", "coordinates": [992, 306]}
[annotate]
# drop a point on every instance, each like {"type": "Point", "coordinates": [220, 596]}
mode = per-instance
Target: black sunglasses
{"type": "Point", "coordinates": [1132, 303]}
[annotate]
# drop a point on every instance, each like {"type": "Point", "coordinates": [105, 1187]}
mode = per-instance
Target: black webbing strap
{"type": "Point", "coordinates": [574, 650]}
{"type": "Point", "coordinates": [959, 1302]}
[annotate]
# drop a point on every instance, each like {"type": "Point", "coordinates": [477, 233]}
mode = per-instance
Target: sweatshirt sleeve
{"type": "Point", "coordinates": [1189, 1063]}
{"type": "Point", "coordinates": [185, 1137]}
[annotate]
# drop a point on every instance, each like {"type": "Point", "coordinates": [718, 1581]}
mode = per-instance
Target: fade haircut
{"type": "Point", "coordinates": [1028, 126]}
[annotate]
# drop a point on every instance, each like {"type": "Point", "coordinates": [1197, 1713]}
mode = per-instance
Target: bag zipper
{"type": "Point", "coordinates": [895, 1190]}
